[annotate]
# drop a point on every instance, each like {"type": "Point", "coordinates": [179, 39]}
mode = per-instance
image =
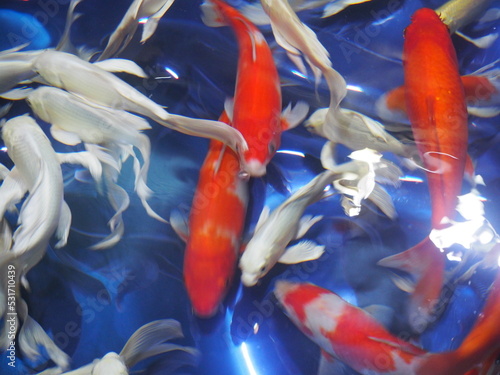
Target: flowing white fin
{"type": "Point", "coordinates": [85, 159]}
{"type": "Point", "coordinates": [121, 65]}
{"type": "Point", "coordinates": [32, 336]}
{"type": "Point", "coordinates": [17, 94]}
{"type": "Point", "coordinates": [62, 231]}
{"type": "Point", "coordinates": [305, 223]}
{"type": "Point", "coordinates": [296, 115]}
{"type": "Point", "coordinates": [383, 201]}
{"type": "Point", "coordinates": [63, 136]}
{"type": "Point", "coordinates": [337, 6]}
{"type": "Point", "coordinates": [179, 224]}
{"type": "Point", "coordinates": [264, 215]}
{"type": "Point", "coordinates": [149, 340]}
{"type": "Point", "coordinates": [481, 42]}
{"type": "Point", "coordinates": [301, 252]}
{"type": "Point", "coordinates": [152, 22]}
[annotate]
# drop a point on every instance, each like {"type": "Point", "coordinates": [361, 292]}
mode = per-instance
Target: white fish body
{"type": "Point", "coordinates": [44, 213]}
{"type": "Point", "coordinates": [153, 10]}
{"type": "Point", "coordinates": [149, 340]}
{"type": "Point", "coordinates": [89, 81]}
{"type": "Point", "coordinates": [37, 171]}
{"type": "Point", "coordinates": [354, 130]}
{"type": "Point", "coordinates": [274, 233]}
{"type": "Point", "coordinates": [76, 120]}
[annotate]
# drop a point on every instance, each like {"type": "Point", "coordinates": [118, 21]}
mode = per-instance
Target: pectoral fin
{"type": "Point", "coordinates": [152, 22]}
{"type": "Point", "coordinates": [179, 224]}
{"type": "Point", "coordinates": [305, 223]}
{"type": "Point", "coordinates": [64, 225]}
{"type": "Point", "coordinates": [292, 117]}
{"type": "Point", "coordinates": [63, 136]}
{"type": "Point", "coordinates": [121, 66]}
{"type": "Point", "coordinates": [302, 252]}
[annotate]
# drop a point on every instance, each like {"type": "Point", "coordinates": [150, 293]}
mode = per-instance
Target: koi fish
{"type": "Point", "coordinates": [346, 332]}
{"type": "Point", "coordinates": [44, 213]}
{"type": "Point", "coordinates": [153, 10]}
{"type": "Point", "coordinates": [482, 93]}
{"type": "Point", "coordinates": [275, 230]}
{"type": "Point", "coordinates": [339, 125]}
{"type": "Point", "coordinates": [435, 102]}
{"type": "Point", "coordinates": [458, 13]}
{"type": "Point", "coordinates": [148, 341]}
{"type": "Point", "coordinates": [356, 338]}
{"type": "Point", "coordinates": [215, 227]}
{"type": "Point", "coordinates": [75, 120]}
{"type": "Point", "coordinates": [95, 83]}
{"type": "Point", "coordinates": [256, 108]}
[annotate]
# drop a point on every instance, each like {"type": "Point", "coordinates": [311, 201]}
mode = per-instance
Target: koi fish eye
{"type": "Point", "coordinates": [272, 148]}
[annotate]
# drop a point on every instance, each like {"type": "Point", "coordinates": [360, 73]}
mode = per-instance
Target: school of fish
{"type": "Point", "coordinates": [104, 121]}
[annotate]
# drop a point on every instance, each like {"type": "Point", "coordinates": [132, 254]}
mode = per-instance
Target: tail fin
{"type": "Point", "coordinates": [425, 263]}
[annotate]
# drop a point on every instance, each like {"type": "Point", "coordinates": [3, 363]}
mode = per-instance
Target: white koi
{"type": "Point", "coordinates": [356, 180]}
{"type": "Point", "coordinates": [153, 10]}
{"type": "Point", "coordinates": [44, 213]}
{"type": "Point", "coordinates": [149, 340]}
{"type": "Point", "coordinates": [75, 120]}
{"type": "Point", "coordinates": [353, 129]}
{"type": "Point", "coordinates": [88, 80]}
{"type": "Point", "coordinates": [274, 232]}
{"type": "Point", "coordinates": [459, 13]}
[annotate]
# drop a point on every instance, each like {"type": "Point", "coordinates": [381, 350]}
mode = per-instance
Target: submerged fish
{"type": "Point", "coordinates": [96, 84]}
{"type": "Point", "coordinates": [148, 341]}
{"type": "Point", "coordinates": [353, 336]}
{"type": "Point", "coordinates": [153, 10]}
{"type": "Point", "coordinates": [44, 213]}
{"type": "Point", "coordinates": [338, 125]}
{"type": "Point", "coordinates": [110, 134]}
{"type": "Point", "coordinates": [256, 108]}
{"type": "Point", "coordinates": [356, 180]}
{"type": "Point", "coordinates": [215, 227]}
{"type": "Point", "coordinates": [435, 101]}
{"type": "Point", "coordinates": [458, 13]}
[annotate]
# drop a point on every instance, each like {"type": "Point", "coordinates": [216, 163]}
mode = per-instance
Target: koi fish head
{"type": "Point", "coordinates": [207, 280]}
{"type": "Point", "coordinates": [256, 260]}
{"type": "Point", "coordinates": [425, 20]}
{"type": "Point", "coordinates": [261, 153]}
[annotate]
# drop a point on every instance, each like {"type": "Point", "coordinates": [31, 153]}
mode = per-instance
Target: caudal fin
{"type": "Point", "coordinates": [425, 264]}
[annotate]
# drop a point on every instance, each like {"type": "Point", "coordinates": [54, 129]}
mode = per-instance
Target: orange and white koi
{"type": "Point", "coordinates": [215, 228]}
{"type": "Point", "coordinates": [435, 102]}
{"type": "Point", "coordinates": [356, 338]}
{"type": "Point", "coordinates": [256, 108]}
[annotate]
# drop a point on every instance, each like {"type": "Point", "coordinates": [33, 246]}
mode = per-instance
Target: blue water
{"type": "Point", "coordinates": [91, 302]}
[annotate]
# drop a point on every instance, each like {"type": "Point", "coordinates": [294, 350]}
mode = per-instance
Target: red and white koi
{"type": "Point", "coordinates": [215, 228]}
{"type": "Point", "coordinates": [435, 102]}
{"type": "Point", "coordinates": [256, 108]}
{"type": "Point", "coordinates": [351, 335]}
